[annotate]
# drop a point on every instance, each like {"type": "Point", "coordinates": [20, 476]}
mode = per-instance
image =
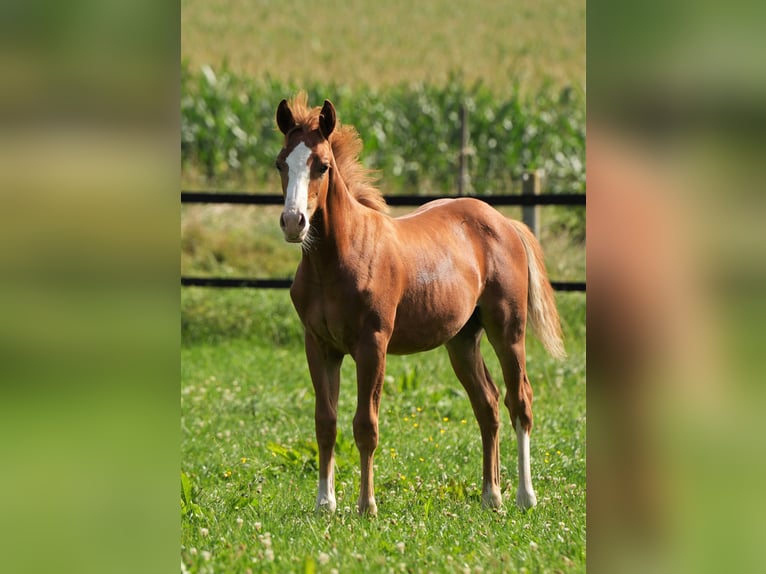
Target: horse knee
{"type": "Point", "coordinates": [524, 417]}
{"type": "Point", "coordinates": [487, 404]}
{"type": "Point", "coordinates": [326, 429]}
{"type": "Point", "coordinates": [520, 410]}
{"type": "Point", "coordinates": [490, 416]}
{"type": "Point", "coordinates": [365, 433]}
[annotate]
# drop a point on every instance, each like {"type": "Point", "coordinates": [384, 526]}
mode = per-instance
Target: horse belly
{"type": "Point", "coordinates": [429, 318]}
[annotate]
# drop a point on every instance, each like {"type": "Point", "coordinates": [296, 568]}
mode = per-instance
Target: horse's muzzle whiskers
{"type": "Point", "coordinates": [309, 242]}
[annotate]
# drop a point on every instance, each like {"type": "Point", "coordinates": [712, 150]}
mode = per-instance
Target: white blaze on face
{"type": "Point", "coordinates": [297, 193]}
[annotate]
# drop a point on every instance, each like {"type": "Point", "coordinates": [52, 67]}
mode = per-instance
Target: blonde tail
{"type": "Point", "coordinates": [541, 304]}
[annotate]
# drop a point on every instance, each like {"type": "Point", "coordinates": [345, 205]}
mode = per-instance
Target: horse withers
{"type": "Point", "coordinates": [369, 284]}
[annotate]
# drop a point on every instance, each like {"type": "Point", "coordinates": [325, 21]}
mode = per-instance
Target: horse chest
{"type": "Point", "coordinates": [328, 318]}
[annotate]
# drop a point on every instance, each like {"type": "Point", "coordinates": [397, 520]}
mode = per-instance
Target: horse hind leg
{"type": "Point", "coordinates": [468, 364]}
{"type": "Point", "coordinates": [508, 343]}
{"type": "Point", "coordinates": [525, 494]}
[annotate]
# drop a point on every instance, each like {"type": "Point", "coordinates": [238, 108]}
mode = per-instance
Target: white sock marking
{"type": "Point", "coordinates": [326, 494]}
{"type": "Point", "coordinates": [525, 495]}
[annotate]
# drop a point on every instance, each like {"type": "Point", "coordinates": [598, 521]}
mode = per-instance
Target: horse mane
{"type": "Point", "coordinates": [346, 146]}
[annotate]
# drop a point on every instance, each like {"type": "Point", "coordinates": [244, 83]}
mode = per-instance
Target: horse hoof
{"type": "Point", "coordinates": [325, 507]}
{"type": "Point", "coordinates": [526, 499]}
{"type": "Point", "coordinates": [492, 499]}
{"type": "Point", "coordinates": [367, 509]}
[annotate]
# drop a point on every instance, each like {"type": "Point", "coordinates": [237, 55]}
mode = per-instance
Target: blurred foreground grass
{"type": "Point", "coordinates": [88, 290]}
{"type": "Point", "coordinates": [675, 286]}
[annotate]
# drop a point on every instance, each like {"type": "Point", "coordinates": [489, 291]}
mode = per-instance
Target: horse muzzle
{"type": "Point", "coordinates": [294, 225]}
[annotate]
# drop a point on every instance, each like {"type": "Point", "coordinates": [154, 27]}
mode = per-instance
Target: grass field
{"type": "Point", "coordinates": [249, 455]}
{"type": "Point", "coordinates": [380, 44]}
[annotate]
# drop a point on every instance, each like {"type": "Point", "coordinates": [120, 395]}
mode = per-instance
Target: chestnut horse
{"type": "Point", "coordinates": [369, 284]}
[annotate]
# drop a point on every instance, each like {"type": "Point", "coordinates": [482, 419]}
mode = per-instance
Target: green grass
{"type": "Point", "coordinates": [382, 44]}
{"type": "Point", "coordinates": [249, 455]}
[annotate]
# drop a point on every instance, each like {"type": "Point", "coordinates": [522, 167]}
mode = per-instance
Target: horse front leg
{"type": "Point", "coordinates": [324, 366]}
{"type": "Point", "coordinates": [370, 370]}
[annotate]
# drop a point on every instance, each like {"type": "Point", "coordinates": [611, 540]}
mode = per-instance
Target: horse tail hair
{"type": "Point", "coordinates": [541, 304]}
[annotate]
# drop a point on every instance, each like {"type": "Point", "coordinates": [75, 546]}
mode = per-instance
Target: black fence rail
{"type": "Point", "coordinates": [572, 199]}
{"type": "Point", "coordinates": [524, 200]}
{"type": "Point", "coordinates": [286, 283]}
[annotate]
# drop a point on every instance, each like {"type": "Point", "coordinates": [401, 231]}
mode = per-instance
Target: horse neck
{"type": "Point", "coordinates": [341, 215]}
{"type": "Point", "coordinates": [339, 207]}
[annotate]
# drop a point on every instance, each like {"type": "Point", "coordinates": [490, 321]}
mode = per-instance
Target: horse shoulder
{"type": "Point", "coordinates": [299, 292]}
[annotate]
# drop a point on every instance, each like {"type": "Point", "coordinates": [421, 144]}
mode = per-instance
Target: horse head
{"type": "Point", "coordinates": [303, 164]}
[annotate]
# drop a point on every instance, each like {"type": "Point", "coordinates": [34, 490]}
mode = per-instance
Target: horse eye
{"type": "Point", "coordinates": [324, 167]}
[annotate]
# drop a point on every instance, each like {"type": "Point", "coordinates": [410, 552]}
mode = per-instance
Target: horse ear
{"type": "Point", "coordinates": [327, 119]}
{"type": "Point", "coordinates": [285, 119]}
